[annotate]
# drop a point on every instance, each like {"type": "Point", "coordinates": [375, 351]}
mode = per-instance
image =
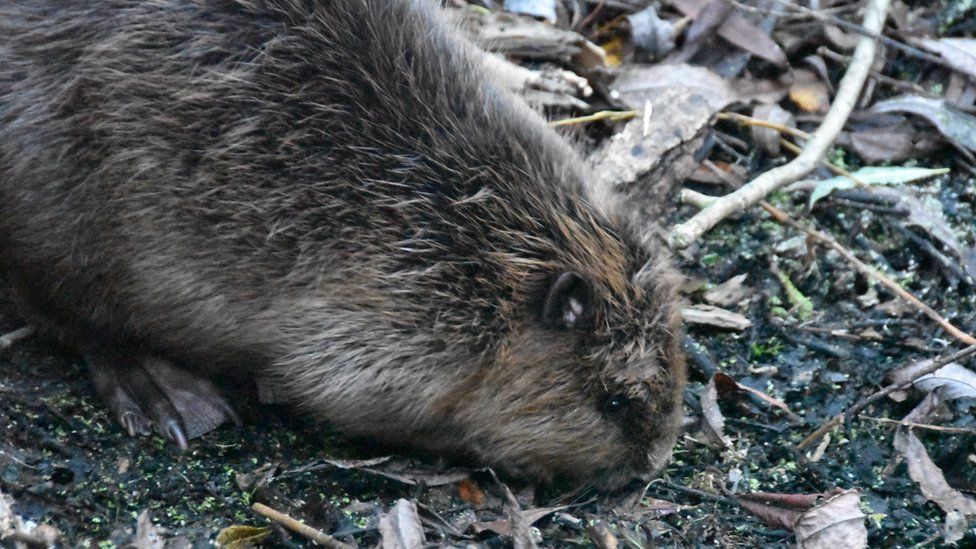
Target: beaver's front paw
{"type": "Point", "coordinates": [150, 392]}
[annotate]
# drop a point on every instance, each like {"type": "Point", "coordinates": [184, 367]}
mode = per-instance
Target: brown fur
{"type": "Point", "coordinates": [335, 194]}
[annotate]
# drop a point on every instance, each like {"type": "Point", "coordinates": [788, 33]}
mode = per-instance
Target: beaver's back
{"type": "Point", "coordinates": [336, 192]}
{"type": "Point", "coordinates": [184, 163]}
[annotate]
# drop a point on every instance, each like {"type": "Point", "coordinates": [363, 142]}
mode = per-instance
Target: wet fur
{"type": "Point", "coordinates": [332, 193]}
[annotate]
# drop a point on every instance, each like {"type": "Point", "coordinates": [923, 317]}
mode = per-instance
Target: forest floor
{"type": "Point", "coordinates": [809, 337]}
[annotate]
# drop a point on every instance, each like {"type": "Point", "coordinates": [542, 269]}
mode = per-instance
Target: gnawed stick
{"type": "Point", "coordinates": [872, 273]}
{"type": "Point", "coordinates": [847, 93]}
{"type": "Point", "coordinates": [8, 339]}
{"type": "Point", "coordinates": [854, 410]}
{"type": "Point", "coordinates": [299, 527]}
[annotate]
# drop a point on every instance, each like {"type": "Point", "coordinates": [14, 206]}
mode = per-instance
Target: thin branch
{"type": "Point", "coordinates": [601, 115]}
{"type": "Point", "coordinates": [847, 94]}
{"type": "Point", "coordinates": [869, 271]}
{"type": "Point", "coordinates": [8, 339]}
{"type": "Point", "coordinates": [299, 527]}
{"type": "Point", "coordinates": [877, 395]}
{"type": "Point", "coordinates": [856, 409]}
{"type": "Point", "coordinates": [867, 33]}
{"type": "Point", "coordinates": [753, 121]}
{"type": "Point", "coordinates": [926, 426]}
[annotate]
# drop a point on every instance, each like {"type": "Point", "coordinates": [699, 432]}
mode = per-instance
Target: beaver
{"type": "Point", "coordinates": [334, 195]}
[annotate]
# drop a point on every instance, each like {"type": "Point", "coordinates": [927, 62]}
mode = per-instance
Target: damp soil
{"type": "Point", "coordinates": [64, 462]}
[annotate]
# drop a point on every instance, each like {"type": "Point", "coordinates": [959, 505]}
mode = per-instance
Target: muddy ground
{"type": "Point", "coordinates": [65, 463]}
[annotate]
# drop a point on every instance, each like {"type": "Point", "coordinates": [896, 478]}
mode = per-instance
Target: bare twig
{"type": "Point", "coordinates": [866, 32]}
{"type": "Point", "coordinates": [856, 409]}
{"type": "Point", "coordinates": [877, 395]}
{"type": "Point", "coordinates": [847, 94]}
{"type": "Point", "coordinates": [601, 115]}
{"type": "Point", "coordinates": [869, 271]}
{"type": "Point", "coordinates": [299, 527]}
{"type": "Point", "coordinates": [753, 121]}
{"type": "Point", "coordinates": [926, 426]}
{"type": "Point", "coordinates": [8, 339]}
{"type": "Point", "coordinates": [911, 87]}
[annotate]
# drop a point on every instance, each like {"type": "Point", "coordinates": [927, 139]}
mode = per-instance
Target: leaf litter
{"type": "Point", "coordinates": [690, 60]}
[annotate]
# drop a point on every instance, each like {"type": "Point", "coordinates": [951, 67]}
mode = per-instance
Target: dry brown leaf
{"type": "Point", "coordinates": [768, 139]}
{"type": "Point", "coordinates": [957, 380]}
{"type": "Point", "coordinates": [658, 507]}
{"type": "Point", "coordinates": [650, 33]}
{"type": "Point", "coordinates": [640, 83]}
{"type": "Point", "coordinates": [959, 127]}
{"type": "Point", "coordinates": [471, 493]}
{"type": "Point", "coordinates": [778, 510]}
{"type": "Point", "coordinates": [738, 31]}
{"type": "Point", "coordinates": [960, 53]}
{"type": "Point", "coordinates": [837, 522]}
{"type": "Point", "coordinates": [900, 140]}
{"type": "Point", "coordinates": [602, 537]}
{"type": "Point", "coordinates": [714, 316]}
{"type": "Point", "coordinates": [521, 526]}
{"type": "Point", "coordinates": [242, 537]}
{"type": "Point", "coordinates": [729, 172]}
{"type": "Point", "coordinates": [148, 535]}
{"type": "Point", "coordinates": [728, 387]}
{"type": "Point", "coordinates": [731, 292]}
{"type": "Point", "coordinates": [540, 9]}
{"type": "Point", "coordinates": [713, 422]}
{"type": "Point", "coordinates": [9, 522]}
{"type": "Point", "coordinates": [808, 92]}
{"type": "Point", "coordinates": [402, 470]}
{"type": "Point", "coordinates": [959, 508]}
{"type": "Point", "coordinates": [401, 528]}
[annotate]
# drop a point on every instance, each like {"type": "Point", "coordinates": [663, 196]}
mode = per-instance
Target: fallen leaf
{"type": "Point", "coordinates": [650, 33]}
{"type": "Point", "coordinates": [602, 537]}
{"type": "Point", "coordinates": [148, 535]}
{"type": "Point", "coordinates": [708, 18]}
{"type": "Point", "coordinates": [728, 387]}
{"type": "Point", "coordinates": [471, 493]}
{"type": "Point", "coordinates": [9, 522]}
{"type": "Point", "coordinates": [714, 316]}
{"type": "Point", "coordinates": [768, 139]}
{"type": "Point", "coordinates": [927, 215]}
{"type": "Point", "coordinates": [808, 92]}
{"type": "Point", "coordinates": [898, 141]}
{"type": "Point", "coordinates": [658, 507]}
{"type": "Point", "coordinates": [957, 126]}
{"type": "Point", "coordinates": [957, 380]}
{"type": "Point", "coordinates": [799, 303]}
{"type": "Point", "coordinates": [640, 83]}
{"type": "Point", "coordinates": [713, 422]}
{"type": "Point", "coordinates": [958, 507]}
{"type": "Point", "coordinates": [778, 510]}
{"type": "Point", "coordinates": [731, 292]}
{"type": "Point", "coordinates": [837, 522]}
{"type": "Point", "coordinates": [738, 31]}
{"type": "Point", "coordinates": [520, 523]}
{"type": "Point", "coordinates": [542, 9]}
{"type": "Point", "coordinates": [242, 537]}
{"type": "Point", "coordinates": [886, 175]}
{"type": "Point", "coordinates": [960, 53]}
{"type": "Point", "coordinates": [401, 528]}
{"type": "Point", "coordinates": [403, 471]}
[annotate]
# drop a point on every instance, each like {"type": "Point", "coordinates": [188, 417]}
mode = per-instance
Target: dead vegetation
{"type": "Point", "coordinates": [811, 163]}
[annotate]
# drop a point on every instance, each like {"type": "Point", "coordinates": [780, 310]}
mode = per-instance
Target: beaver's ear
{"type": "Point", "coordinates": [568, 303]}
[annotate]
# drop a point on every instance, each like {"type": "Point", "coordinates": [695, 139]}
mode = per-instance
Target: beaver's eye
{"type": "Point", "coordinates": [616, 404]}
